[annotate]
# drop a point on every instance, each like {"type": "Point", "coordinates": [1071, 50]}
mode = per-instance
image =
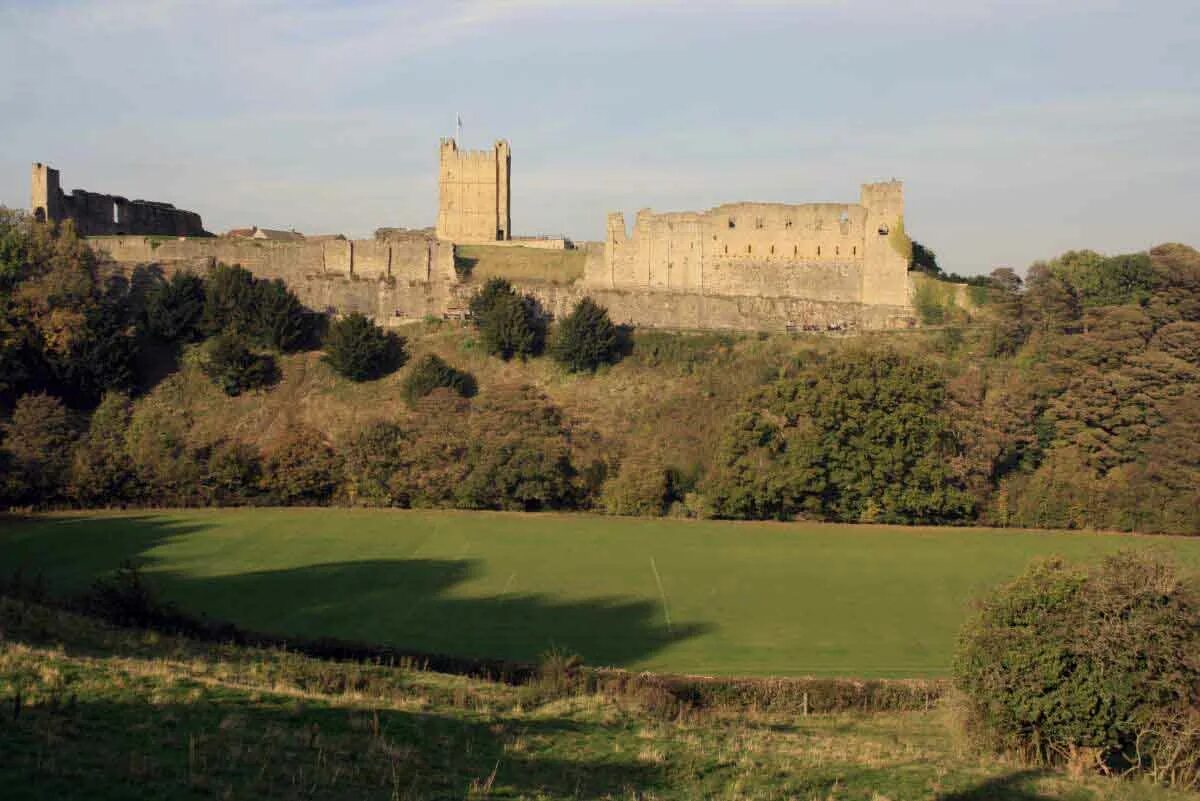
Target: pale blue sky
{"type": "Point", "coordinates": [1022, 128]}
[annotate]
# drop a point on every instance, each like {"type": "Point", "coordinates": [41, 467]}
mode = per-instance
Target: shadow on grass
{"type": "Point", "coordinates": [231, 744]}
{"type": "Point", "coordinates": [416, 606]}
{"type": "Point", "coordinates": [1013, 787]}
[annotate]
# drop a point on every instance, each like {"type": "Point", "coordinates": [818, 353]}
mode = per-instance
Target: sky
{"type": "Point", "coordinates": [1021, 128]}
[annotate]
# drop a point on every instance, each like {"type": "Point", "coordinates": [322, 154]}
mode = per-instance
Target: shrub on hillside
{"type": "Point", "coordinates": [235, 368]}
{"type": "Point", "coordinates": [281, 320]}
{"type": "Point", "coordinates": [262, 311]}
{"type": "Point", "coordinates": [233, 473]}
{"type": "Point", "coordinates": [433, 372]}
{"type": "Point", "coordinates": [102, 471]}
{"type": "Point", "coordinates": [174, 309]}
{"type": "Point", "coordinates": [302, 469]}
{"type": "Point", "coordinates": [509, 324]}
{"type": "Point", "coordinates": [38, 439]}
{"type": "Point", "coordinates": [358, 349]}
{"type": "Point", "coordinates": [519, 454]}
{"type": "Point", "coordinates": [229, 301]}
{"type": "Point", "coordinates": [1085, 665]}
{"type": "Point", "coordinates": [375, 454]}
{"type": "Point", "coordinates": [169, 470]}
{"type": "Point", "coordinates": [585, 339]}
{"type": "Point", "coordinates": [642, 486]}
{"type": "Point", "coordinates": [860, 436]}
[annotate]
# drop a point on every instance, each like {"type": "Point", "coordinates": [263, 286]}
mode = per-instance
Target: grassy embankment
{"type": "Point", "coordinates": [101, 713]}
{"type": "Point", "coordinates": [478, 263]}
{"type": "Point", "coordinates": [705, 597]}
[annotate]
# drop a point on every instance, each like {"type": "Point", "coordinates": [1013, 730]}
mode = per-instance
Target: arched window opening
{"type": "Point", "coordinates": [747, 248]}
{"type": "Point", "coordinates": [818, 250]}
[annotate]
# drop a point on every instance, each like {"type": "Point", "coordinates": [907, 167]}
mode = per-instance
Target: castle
{"type": "Point", "coordinates": [741, 266]}
{"type": "Point", "coordinates": [473, 199]}
{"type": "Point", "coordinates": [94, 214]}
{"type": "Point", "coordinates": [830, 252]}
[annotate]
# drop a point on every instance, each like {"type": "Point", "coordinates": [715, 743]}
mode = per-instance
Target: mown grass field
{"type": "Point", "coordinates": [705, 597]}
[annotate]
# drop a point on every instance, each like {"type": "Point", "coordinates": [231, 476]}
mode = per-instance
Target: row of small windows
{"type": "Point", "coordinates": [761, 222]}
{"type": "Point", "coordinates": [837, 250]}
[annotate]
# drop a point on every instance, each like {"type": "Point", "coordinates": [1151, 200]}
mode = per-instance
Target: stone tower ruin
{"type": "Point", "coordinates": [473, 194]}
{"type": "Point", "coordinates": [95, 214]}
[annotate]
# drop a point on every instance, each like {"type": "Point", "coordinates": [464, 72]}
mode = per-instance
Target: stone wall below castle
{"type": "Point", "coordinates": [400, 281]}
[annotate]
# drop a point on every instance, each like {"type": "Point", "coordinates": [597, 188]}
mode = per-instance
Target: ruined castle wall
{"type": "Point", "coordinates": [823, 252]}
{"type": "Point", "coordinates": [95, 214]}
{"type": "Point", "coordinates": [390, 281]}
{"type": "Point", "coordinates": [812, 279]}
{"type": "Point", "coordinates": [690, 311]}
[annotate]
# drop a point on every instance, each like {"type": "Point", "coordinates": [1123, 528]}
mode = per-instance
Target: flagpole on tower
{"type": "Point", "coordinates": [458, 129]}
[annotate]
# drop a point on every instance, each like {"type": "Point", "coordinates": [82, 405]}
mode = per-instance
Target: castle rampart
{"type": "Point", "coordinates": [95, 214]}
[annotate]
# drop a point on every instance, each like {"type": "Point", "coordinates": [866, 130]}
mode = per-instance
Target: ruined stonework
{"type": "Point", "coordinates": [96, 214]}
{"type": "Point", "coordinates": [740, 266]}
{"type": "Point", "coordinates": [473, 194]}
{"type": "Point", "coordinates": [841, 253]}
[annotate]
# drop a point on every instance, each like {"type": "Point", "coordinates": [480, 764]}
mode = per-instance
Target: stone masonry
{"type": "Point", "coordinates": [740, 266]}
{"type": "Point", "coordinates": [825, 252]}
{"type": "Point", "coordinates": [473, 190]}
{"type": "Point", "coordinates": [96, 214]}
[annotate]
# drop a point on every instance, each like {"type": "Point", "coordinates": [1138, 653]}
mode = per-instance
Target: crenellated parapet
{"type": "Point", "coordinates": [473, 193]}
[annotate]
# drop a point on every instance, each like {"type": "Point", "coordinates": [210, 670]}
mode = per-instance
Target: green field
{"type": "Point", "coordinates": [665, 595]}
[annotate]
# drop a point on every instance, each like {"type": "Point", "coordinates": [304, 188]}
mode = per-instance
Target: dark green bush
{"type": "Point", "coordinates": [355, 347]}
{"type": "Point", "coordinates": [1079, 664]}
{"type": "Point", "coordinates": [230, 297]}
{"type": "Point", "coordinates": [433, 372]}
{"type": "Point", "coordinates": [174, 309]}
{"type": "Point", "coordinates": [509, 324]}
{"type": "Point", "coordinates": [860, 436]}
{"type": "Point", "coordinates": [235, 368]}
{"type": "Point", "coordinates": [281, 320]}
{"type": "Point", "coordinates": [262, 311]}
{"type": "Point", "coordinates": [586, 338]}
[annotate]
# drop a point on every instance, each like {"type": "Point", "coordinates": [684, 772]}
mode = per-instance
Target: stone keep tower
{"type": "Point", "coordinates": [885, 262]}
{"type": "Point", "coordinates": [45, 194]}
{"type": "Point", "coordinates": [473, 193]}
